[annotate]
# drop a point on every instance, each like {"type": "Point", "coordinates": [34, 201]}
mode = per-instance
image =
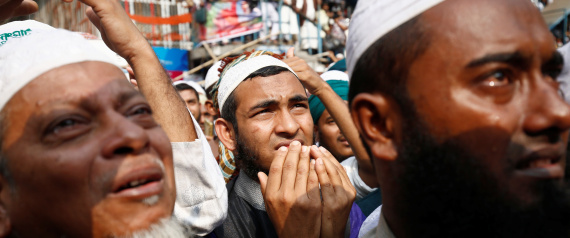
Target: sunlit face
{"type": "Point", "coordinates": [192, 102]}
{"type": "Point", "coordinates": [330, 137]}
{"type": "Point", "coordinates": [275, 114]}
{"type": "Point", "coordinates": [84, 152]}
{"type": "Point", "coordinates": [487, 84]}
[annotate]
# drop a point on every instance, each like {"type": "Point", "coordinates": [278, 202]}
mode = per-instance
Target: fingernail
{"type": "Point", "coordinates": [312, 161]}
{"type": "Point", "coordinates": [322, 149]}
{"type": "Point", "coordinates": [295, 143]}
{"type": "Point", "coordinates": [304, 149]}
{"type": "Point", "coordinates": [283, 148]}
{"type": "Point", "coordinates": [320, 161]}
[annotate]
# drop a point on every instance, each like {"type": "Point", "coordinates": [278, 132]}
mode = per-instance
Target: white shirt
{"type": "Point", "coordinates": [201, 195]}
{"type": "Point", "coordinates": [351, 166]}
{"type": "Point", "coordinates": [375, 226]}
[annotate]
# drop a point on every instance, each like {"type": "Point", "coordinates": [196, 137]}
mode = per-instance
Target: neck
{"type": "Point", "coordinates": [368, 177]}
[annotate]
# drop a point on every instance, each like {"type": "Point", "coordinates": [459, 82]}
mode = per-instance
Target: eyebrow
{"type": "Point", "coordinates": [272, 102]}
{"type": "Point", "coordinates": [555, 60]}
{"type": "Point", "coordinates": [122, 98]}
{"type": "Point", "coordinates": [514, 58]}
{"type": "Point", "coordinates": [299, 98]}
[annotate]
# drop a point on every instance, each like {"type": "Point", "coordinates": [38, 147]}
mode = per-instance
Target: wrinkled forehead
{"type": "Point", "coordinates": [72, 84]}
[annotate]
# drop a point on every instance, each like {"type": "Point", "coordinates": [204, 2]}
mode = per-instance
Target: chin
{"type": "Point", "coordinates": [120, 217]}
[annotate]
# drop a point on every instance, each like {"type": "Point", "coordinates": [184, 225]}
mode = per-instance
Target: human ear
{"type": "Point", "coordinates": [226, 134]}
{"type": "Point", "coordinates": [210, 107]}
{"type": "Point", "coordinates": [5, 224]}
{"type": "Point", "coordinates": [375, 117]}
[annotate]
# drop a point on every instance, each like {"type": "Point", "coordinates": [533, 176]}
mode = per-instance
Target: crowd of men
{"type": "Point", "coordinates": [445, 120]}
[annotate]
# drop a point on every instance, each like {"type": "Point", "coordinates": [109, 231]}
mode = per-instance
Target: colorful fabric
{"type": "Point", "coordinates": [227, 163]}
{"type": "Point", "coordinates": [240, 68]}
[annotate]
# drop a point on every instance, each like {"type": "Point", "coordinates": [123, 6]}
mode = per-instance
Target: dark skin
{"type": "Point", "coordinates": [482, 72]}
{"type": "Point", "coordinates": [15, 8]}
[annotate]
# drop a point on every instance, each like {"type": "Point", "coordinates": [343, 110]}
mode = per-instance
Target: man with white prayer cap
{"type": "Point", "coordinates": [190, 93]}
{"type": "Point", "coordinates": [458, 103]}
{"type": "Point", "coordinates": [266, 123]}
{"type": "Point", "coordinates": [212, 75]}
{"type": "Point", "coordinates": [82, 153]}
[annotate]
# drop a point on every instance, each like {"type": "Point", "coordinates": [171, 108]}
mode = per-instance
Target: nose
{"type": "Point", "coordinates": [287, 126]}
{"type": "Point", "coordinates": [547, 113]}
{"type": "Point", "coordinates": [125, 137]}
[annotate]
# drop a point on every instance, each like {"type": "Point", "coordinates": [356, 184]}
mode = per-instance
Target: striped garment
{"type": "Point", "coordinates": [227, 163]}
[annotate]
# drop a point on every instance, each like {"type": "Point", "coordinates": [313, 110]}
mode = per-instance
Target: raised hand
{"type": "Point", "coordinates": [308, 77]}
{"type": "Point", "coordinates": [117, 29]}
{"type": "Point", "coordinates": [15, 8]}
{"type": "Point", "coordinates": [291, 193]}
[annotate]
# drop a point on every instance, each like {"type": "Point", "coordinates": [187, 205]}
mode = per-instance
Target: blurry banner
{"type": "Point", "coordinates": [70, 16]}
{"type": "Point", "coordinates": [175, 61]}
{"type": "Point", "coordinates": [164, 23]}
{"type": "Point", "coordinates": [232, 19]}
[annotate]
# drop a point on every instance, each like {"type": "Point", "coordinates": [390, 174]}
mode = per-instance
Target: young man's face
{"type": "Point", "coordinates": [84, 155]}
{"type": "Point", "coordinates": [192, 102]}
{"type": "Point", "coordinates": [330, 137]}
{"type": "Point", "coordinates": [487, 84]}
{"type": "Point", "coordinates": [271, 112]}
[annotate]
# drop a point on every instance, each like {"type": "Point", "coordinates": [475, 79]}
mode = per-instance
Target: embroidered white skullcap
{"type": "Point", "coordinates": [213, 75]}
{"type": "Point", "coordinates": [29, 49]}
{"type": "Point", "coordinates": [334, 75]}
{"type": "Point", "coordinates": [240, 69]}
{"type": "Point", "coordinates": [192, 84]}
{"type": "Point", "coordinates": [373, 19]}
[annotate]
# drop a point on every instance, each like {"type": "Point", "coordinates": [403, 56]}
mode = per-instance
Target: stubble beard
{"type": "Point", "coordinates": [447, 192]}
{"type": "Point", "coordinates": [247, 161]}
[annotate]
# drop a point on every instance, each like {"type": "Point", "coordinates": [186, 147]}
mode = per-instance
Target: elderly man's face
{"type": "Point", "coordinates": [84, 155]}
{"type": "Point", "coordinates": [272, 115]}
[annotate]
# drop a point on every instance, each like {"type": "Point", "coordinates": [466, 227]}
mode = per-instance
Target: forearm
{"type": "Point", "coordinates": [341, 115]}
{"type": "Point", "coordinates": [169, 109]}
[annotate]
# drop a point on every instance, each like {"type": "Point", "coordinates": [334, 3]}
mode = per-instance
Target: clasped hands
{"type": "Point", "coordinates": [293, 200]}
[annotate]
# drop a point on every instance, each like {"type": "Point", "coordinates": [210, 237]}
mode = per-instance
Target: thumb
{"type": "Point", "coordinates": [26, 7]}
{"type": "Point", "coordinates": [262, 181]}
{"type": "Point", "coordinates": [290, 52]}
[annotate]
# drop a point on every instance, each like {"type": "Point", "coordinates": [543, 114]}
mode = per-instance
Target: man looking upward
{"type": "Point", "coordinates": [458, 103]}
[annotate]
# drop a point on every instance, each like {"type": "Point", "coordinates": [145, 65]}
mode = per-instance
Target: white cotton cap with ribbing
{"type": "Point", "coordinates": [373, 19]}
{"type": "Point", "coordinates": [334, 75]}
{"type": "Point", "coordinates": [213, 75]}
{"type": "Point", "coordinates": [192, 84]}
{"type": "Point", "coordinates": [38, 49]}
{"type": "Point", "coordinates": [235, 75]}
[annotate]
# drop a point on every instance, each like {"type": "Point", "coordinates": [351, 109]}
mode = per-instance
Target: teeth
{"type": "Point", "coordinates": [540, 163]}
{"type": "Point", "coordinates": [137, 182]}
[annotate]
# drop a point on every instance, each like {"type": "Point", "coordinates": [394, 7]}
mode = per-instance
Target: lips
{"type": "Point", "coordinates": [287, 143]}
{"type": "Point", "coordinates": [543, 164]}
{"type": "Point", "coordinates": [140, 182]}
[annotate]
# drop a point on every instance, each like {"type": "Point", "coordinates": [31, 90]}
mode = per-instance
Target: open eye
{"type": "Point", "coordinates": [140, 110]}
{"type": "Point", "coordinates": [66, 125]}
{"type": "Point", "coordinates": [498, 78]}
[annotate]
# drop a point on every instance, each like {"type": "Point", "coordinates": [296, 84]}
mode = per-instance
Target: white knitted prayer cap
{"type": "Point", "coordinates": [192, 84]}
{"type": "Point", "coordinates": [213, 75]}
{"type": "Point", "coordinates": [334, 75]}
{"type": "Point", "coordinates": [373, 19]}
{"type": "Point", "coordinates": [29, 49]}
{"type": "Point", "coordinates": [233, 76]}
